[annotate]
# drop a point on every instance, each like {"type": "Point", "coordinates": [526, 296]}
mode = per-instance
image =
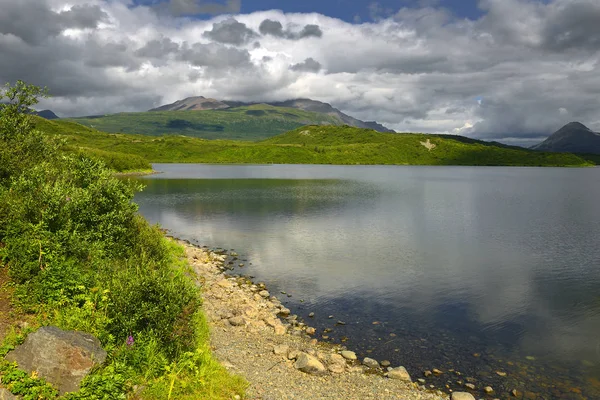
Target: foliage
{"type": "Point", "coordinates": [318, 145]}
{"type": "Point", "coordinates": [83, 259]}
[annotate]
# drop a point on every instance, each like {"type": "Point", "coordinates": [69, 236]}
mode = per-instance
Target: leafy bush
{"type": "Point", "coordinates": [83, 259]}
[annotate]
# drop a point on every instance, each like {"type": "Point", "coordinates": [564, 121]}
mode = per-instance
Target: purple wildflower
{"type": "Point", "coordinates": [129, 342]}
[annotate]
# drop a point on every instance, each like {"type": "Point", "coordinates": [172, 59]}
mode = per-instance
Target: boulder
{"type": "Point", "coordinates": [462, 396]}
{"type": "Point", "coordinates": [399, 373]}
{"type": "Point", "coordinates": [309, 364]}
{"type": "Point", "coordinates": [63, 358]}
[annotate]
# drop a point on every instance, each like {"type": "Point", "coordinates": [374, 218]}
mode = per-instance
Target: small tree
{"type": "Point", "coordinates": [21, 146]}
{"type": "Point", "coordinates": [16, 121]}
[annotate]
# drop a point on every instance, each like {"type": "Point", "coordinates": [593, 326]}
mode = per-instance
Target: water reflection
{"type": "Point", "coordinates": [501, 262]}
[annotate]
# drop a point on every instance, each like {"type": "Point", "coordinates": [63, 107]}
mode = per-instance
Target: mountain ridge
{"type": "Point", "coordinates": [201, 103]}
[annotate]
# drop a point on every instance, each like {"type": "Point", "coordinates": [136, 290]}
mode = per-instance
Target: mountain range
{"type": "Point", "coordinates": [574, 137]}
{"type": "Point", "coordinates": [203, 103]}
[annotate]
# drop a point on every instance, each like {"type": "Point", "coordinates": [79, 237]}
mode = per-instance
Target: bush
{"type": "Point", "coordinates": [82, 258]}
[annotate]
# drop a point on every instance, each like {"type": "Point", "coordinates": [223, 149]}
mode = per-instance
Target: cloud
{"type": "Point", "coordinates": [214, 55]}
{"type": "Point", "coordinates": [275, 28]}
{"type": "Point", "coordinates": [308, 65]}
{"type": "Point", "coordinates": [33, 21]}
{"type": "Point", "coordinates": [158, 48]}
{"type": "Point", "coordinates": [195, 7]}
{"type": "Point", "coordinates": [230, 31]}
{"type": "Point", "coordinates": [518, 72]}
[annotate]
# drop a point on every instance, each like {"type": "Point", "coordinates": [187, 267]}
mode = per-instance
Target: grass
{"type": "Point", "coordinates": [255, 122]}
{"type": "Point", "coordinates": [312, 145]}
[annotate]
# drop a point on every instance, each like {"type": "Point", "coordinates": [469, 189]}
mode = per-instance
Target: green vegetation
{"type": "Point", "coordinates": [313, 145]}
{"type": "Point", "coordinates": [80, 257]}
{"type": "Point", "coordinates": [255, 122]}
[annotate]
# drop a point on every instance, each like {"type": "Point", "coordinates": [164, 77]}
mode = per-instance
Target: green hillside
{"type": "Point", "coordinates": [310, 145]}
{"type": "Point", "coordinates": [255, 122]}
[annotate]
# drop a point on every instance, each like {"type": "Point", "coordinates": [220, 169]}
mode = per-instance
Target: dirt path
{"type": "Point", "coordinates": [248, 338]}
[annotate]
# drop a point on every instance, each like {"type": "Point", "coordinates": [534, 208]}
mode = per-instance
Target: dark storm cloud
{"type": "Point", "coordinates": [34, 21]}
{"type": "Point", "coordinates": [275, 28]}
{"type": "Point", "coordinates": [270, 27]}
{"type": "Point", "coordinates": [308, 65]}
{"type": "Point", "coordinates": [574, 26]}
{"type": "Point", "coordinates": [230, 31]}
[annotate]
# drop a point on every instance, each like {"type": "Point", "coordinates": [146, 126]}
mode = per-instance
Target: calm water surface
{"type": "Point", "coordinates": [475, 270]}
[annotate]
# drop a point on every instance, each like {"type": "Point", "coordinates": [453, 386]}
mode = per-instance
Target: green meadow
{"type": "Point", "coordinates": [313, 144]}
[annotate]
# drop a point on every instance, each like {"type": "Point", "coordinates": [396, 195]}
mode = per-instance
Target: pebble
{"type": "Point", "coordinates": [237, 321]}
{"type": "Point", "coordinates": [349, 355]}
{"type": "Point", "coordinates": [488, 389]}
{"type": "Point", "coordinates": [264, 294]}
{"type": "Point", "coordinates": [309, 364]}
{"type": "Point", "coordinates": [312, 314]}
{"type": "Point", "coordinates": [437, 371]}
{"type": "Point", "coordinates": [310, 330]}
{"type": "Point", "coordinates": [385, 363]}
{"type": "Point", "coordinates": [500, 373]}
{"type": "Point", "coordinates": [427, 373]}
{"type": "Point", "coordinates": [470, 386]}
{"type": "Point", "coordinates": [462, 396]}
{"type": "Point", "coordinates": [371, 363]}
{"type": "Point", "coordinates": [281, 349]}
{"type": "Point", "coordinates": [399, 373]}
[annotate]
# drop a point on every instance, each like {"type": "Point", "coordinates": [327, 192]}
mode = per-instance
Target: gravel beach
{"type": "Point", "coordinates": [254, 336]}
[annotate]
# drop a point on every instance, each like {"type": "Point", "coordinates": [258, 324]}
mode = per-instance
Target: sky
{"type": "Point", "coordinates": [508, 70]}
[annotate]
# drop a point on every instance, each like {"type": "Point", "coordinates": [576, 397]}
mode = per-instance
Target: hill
{"type": "Point", "coordinates": [573, 138]}
{"type": "Point", "coordinates": [310, 145]}
{"type": "Point", "coordinates": [247, 122]}
{"type": "Point", "coordinates": [202, 103]}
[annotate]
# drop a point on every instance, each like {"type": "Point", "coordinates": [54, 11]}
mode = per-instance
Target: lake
{"type": "Point", "coordinates": [471, 270]}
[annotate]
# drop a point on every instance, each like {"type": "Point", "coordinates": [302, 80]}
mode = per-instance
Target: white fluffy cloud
{"type": "Point", "coordinates": [520, 71]}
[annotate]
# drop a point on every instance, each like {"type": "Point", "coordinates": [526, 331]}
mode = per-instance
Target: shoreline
{"type": "Point", "coordinates": [253, 335]}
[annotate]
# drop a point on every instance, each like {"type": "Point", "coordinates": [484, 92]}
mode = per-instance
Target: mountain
{"type": "Point", "coordinates": [574, 137]}
{"type": "Point", "coordinates": [202, 103]}
{"type": "Point", "coordinates": [193, 104]}
{"type": "Point", "coordinates": [46, 114]}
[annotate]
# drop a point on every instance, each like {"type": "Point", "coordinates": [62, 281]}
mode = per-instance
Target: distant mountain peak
{"type": "Point", "coordinates": [574, 137]}
{"type": "Point", "coordinates": [575, 125]}
{"type": "Point", "coordinates": [201, 103]}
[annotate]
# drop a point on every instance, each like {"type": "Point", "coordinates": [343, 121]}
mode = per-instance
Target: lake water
{"type": "Point", "coordinates": [471, 269]}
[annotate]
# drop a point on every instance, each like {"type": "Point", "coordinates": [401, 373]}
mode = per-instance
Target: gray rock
{"type": "Point", "coordinates": [63, 358]}
{"type": "Point", "coordinates": [371, 363]}
{"type": "Point", "coordinates": [281, 349]}
{"type": "Point", "coordinates": [5, 394]}
{"type": "Point", "coordinates": [399, 373]}
{"type": "Point", "coordinates": [309, 364]}
{"type": "Point", "coordinates": [349, 355]}
{"type": "Point", "coordinates": [462, 396]}
{"type": "Point", "coordinates": [237, 321]}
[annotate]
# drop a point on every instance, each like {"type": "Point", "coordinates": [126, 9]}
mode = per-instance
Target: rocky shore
{"type": "Point", "coordinates": [255, 336]}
